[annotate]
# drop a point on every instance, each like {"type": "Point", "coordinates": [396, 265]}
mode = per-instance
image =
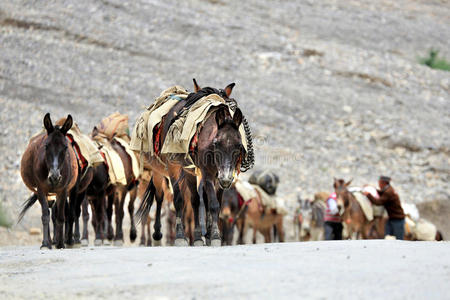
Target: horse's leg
{"type": "Point", "coordinates": [119, 203]}
{"type": "Point", "coordinates": [149, 229]}
{"type": "Point", "coordinates": [142, 242]}
{"type": "Point", "coordinates": [46, 243]}
{"type": "Point", "coordinates": [53, 209]}
{"type": "Point", "coordinates": [99, 213]}
{"type": "Point", "coordinates": [109, 212]}
{"type": "Point", "coordinates": [254, 235]}
{"type": "Point", "coordinates": [214, 209]}
{"type": "Point", "coordinates": [279, 227]}
{"type": "Point", "coordinates": [157, 235]}
{"type": "Point", "coordinates": [267, 235]}
{"type": "Point", "coordinates": [180, 239]}
{"type": "Point", "coordinates": [80, 200]}
{"type": "Point", "coordinates": [85, 214]}
{"type": "Point", "coordinates": [133, 233]}
{"type": "Point", "coordinates": [195, 201]}
{"type": "Point", "coordinates": [61, 199]}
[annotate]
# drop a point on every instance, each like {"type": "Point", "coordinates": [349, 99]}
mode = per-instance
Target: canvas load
{"type": "Point", "coordinates": [181, 132]}
{"type": "Point", "coordinates": [267, 180]}
{"type": "Point", "coordinates": [87, 147]}
{"type": "Point", "coordinates": [270, 202]}
{"type": "Point", "coordinates": [114, 125]}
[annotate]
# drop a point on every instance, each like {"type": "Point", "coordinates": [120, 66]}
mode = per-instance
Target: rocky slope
{"type": "Point", "coordinates": [330, 89]}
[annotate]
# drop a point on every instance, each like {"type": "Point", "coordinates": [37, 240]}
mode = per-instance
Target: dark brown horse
{"type": "Point", "coordinates": [118, 193]}
{"type": "Point", "coordinates": [217, 157]}
{"type": "Point", "coordinates": [49, 166]}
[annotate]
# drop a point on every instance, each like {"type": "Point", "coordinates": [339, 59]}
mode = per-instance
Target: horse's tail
{"type": "Point", "coordinates": [146, 203]}
{"type": "Point", "coordinates": [26, 206]}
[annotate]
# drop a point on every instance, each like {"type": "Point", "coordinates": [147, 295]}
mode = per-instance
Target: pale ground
{"type": "Point", "coordinates": [311, 270]}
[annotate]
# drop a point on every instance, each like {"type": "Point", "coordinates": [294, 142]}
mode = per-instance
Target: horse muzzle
{"type": "Point", "coordinates": [54, 177]}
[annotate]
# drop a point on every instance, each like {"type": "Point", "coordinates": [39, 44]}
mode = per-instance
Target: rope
{"type": "Point", "coordinates": [249, 160]}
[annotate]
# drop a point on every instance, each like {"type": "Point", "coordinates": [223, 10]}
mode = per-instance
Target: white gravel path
{"type": "Point", "coordinates": [315, 270]}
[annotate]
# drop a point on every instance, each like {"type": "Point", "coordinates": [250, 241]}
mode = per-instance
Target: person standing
{"type": "Point", "coordinates": [333, 220]}
{"type": "Point", "coordinates": [389, 198]}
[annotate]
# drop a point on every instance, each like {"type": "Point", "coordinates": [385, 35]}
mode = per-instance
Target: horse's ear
{"type": "Point", "coordinates": [348, 182]}
{"type": "Point", "coordinates": [334, 182]}
{"type": "Point", "coordinates": [48, 123]}
{"type": "Point", "coordinates": [220, 117]}
{"type": "Point", "coordinates": [94, 131]}
{"type": "Point", "coordinates": [196, 86]}
{"type": "Point", "coordinates": [237, 117]}
{"type": "Point", "coordinates": [229, 89]}
{"type": "Point", "coordinates": [67, 124]}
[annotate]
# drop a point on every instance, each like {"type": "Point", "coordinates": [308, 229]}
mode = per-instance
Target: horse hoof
{"type": "Point", "coordinates": [181, 243]}
{"type": "Point", "coordinates": [133, 235]}
{"type": "Point", "coordinates": [216, 243]}
{"type": "Point", "coordinates": [157, 243]}
{"type": "Point", "coordinates": [46, 247]}
{"type": "Point", "coordinates": [98, 242]}
{"type": "Point", "coordinates": [118, 243]}
{"type": "Point", "coordinates": [157, 236]}
{"type": "Point", "coordinates": [60, 246]}
{"type": "Point", "coordinates": [84, 243]}
{"type": "Point", "coordinates": [198, 243]}
{"type": "Point", "coordinates": [106, 243]}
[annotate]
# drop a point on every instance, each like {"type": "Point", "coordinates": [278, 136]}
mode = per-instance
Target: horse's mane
{"type": "Point", "coordinates": [194, 97]}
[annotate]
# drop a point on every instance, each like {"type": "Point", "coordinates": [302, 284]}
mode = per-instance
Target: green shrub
{"type": "Point", "coordinates": [434, 62]}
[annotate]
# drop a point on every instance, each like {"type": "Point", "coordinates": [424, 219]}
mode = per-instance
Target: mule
{"type": "Point", "coordinates": [232, 215]}
{"type": "Point", "coordinates": [354, 217]}
{"type": "Point", "coordinates": [118, 193]}
{"type": "Point", "coordinates": [310, 220]}
{"type": "Point", "coordinates": [217, 156]}
{"type": "Point", "coordinates": [49, 166]}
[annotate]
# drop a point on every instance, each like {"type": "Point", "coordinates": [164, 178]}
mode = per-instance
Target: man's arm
{"type": "Point", "coordinates": [380, 201]}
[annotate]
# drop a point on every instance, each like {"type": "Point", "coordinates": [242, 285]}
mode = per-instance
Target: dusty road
{"type": "Point", "coordinates": [317, 270]}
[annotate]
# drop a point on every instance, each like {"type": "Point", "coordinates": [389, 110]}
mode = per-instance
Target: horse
{"type": "Point", "coordinates": [217, 156]}
{"type": "Point", "coordinates": [311, 220]}
{"type": "Point", "coordinates": [119, 192]}
{"type": "Point", "coordinates": [96, 194]}
{"type": "Point", "coordinates": [232, 214]}
{"type": "Point", "coordinates": [353, 216]}
{"type": "Point", "coordinates": [263, 221]}
{"type": "Point", "coordinates": [49, 166]}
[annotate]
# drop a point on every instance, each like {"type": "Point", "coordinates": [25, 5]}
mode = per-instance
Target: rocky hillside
{"type": "Point", "coordinates": [330, 89]}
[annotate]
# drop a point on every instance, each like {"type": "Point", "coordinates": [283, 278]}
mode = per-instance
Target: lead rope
{"type": "Point", "coordinates": [249, 160]}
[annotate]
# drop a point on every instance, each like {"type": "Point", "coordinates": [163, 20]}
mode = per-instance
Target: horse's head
{"type": "Point", "coordinates": [227, 145]}
{"type": "Point", "coordinates": [55, 147]}
{"type": "Point", "coordinates": [305, 218]}
{"type": "Point", "coordinates": [340, 188]}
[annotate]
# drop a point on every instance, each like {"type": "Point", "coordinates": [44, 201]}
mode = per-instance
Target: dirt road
{"type": "Point", "coordinates": [347, 269]}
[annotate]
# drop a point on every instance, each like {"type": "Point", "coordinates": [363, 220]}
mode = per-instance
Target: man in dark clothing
{"type": "Point", "coordinates": [390, 200]}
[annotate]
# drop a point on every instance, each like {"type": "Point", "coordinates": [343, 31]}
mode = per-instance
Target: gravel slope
{"type": "Point", "coordinates": [330, 88]}
{"type": "Point", "coordinates": [340, 270]}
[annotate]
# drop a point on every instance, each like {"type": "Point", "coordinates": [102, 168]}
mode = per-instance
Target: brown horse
{"type": "Point", "coordinates": [217, 156]}
{"type": "Point", "coordinates": [49, 166]}
{"type": "Point", "coordinates": [353, 215]}
{"type": "Point", "coordinates": [263, 222]}
{"type": "Point", "coordinates": [232, 214]}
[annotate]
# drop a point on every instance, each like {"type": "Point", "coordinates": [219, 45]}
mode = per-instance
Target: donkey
{"type": "Point", "coordinates": [50, 166]}
{"type": "Point", "coordinates": [311, 220]}
{"type": "Point", "coordinates": [118, 193]}
{"type": "Point", "coordinates": [353, 214]}
{"type": "Point", "coordinates": [217, 156]}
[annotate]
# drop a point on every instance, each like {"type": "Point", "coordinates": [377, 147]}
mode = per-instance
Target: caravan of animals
{"type": "Point", "coordinates": [185, 153]}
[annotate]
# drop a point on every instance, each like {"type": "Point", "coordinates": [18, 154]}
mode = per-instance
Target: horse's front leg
{"type": "Point", "coordinates": [99, 216]}
{"type": "Point", "coordinates": [61, 200]}
{"type": "Point", "coordinates": [85, 214]}
{"type": "Point", "coordinates": [133, 232]}
{"type": "Point", "coordinates": [80, 200]}
{"type": "Point", "coordinates": [70, 214]}
{"type": "Point", "coordinates": [157, 235]}
{"type": "Point", "coordinates": [46, 243]}
{"type": "Point", "coordinates": [214, 208]}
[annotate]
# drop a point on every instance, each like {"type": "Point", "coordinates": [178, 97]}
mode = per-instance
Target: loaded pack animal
{"type": "Point", "coordinates": [217, 156]}
{"type": "Point", "coordinates": [113, 196]}
{"type": "Point", "coordinates": [232, 215]}
{"type": "Point", "coordinates": [50, 165]}
{"type": "Point", "coordinates": [354, 217]}
{"type": "Point", "coordinates": [310, 219]}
